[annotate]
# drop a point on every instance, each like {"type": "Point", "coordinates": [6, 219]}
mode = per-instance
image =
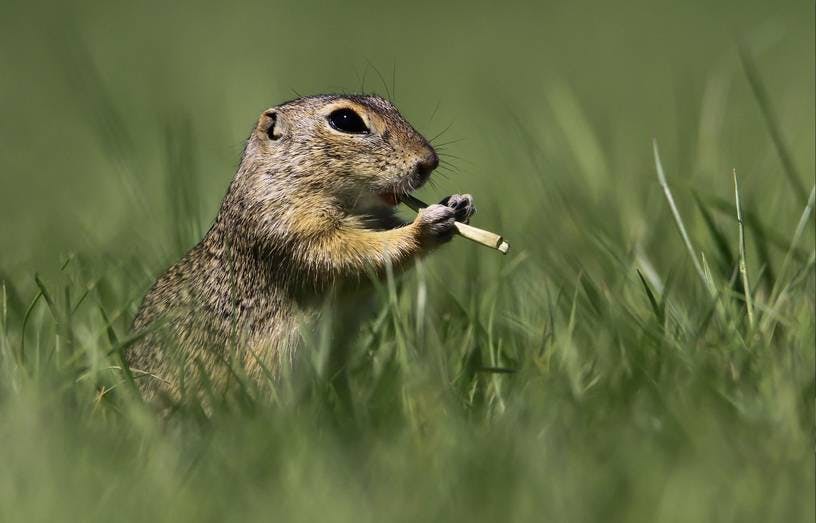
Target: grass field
{"type": "Point", "coordinates": [605, 370]}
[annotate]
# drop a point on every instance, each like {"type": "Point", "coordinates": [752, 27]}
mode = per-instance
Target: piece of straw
{"type": "Point", "coordinates": [480, 236]}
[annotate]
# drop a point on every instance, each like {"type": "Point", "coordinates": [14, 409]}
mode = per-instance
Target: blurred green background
{"type": "Point", "coordinates": [121, 125]}
{"type": "Point", "coordinates": [93, 91]}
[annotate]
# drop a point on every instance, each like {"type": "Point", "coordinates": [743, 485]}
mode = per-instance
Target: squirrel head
{"type": "Point", "coordinates": [357, 149]}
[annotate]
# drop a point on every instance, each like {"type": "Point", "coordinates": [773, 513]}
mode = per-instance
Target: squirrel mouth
{"type": "Point", "coordinates": [392, 195]}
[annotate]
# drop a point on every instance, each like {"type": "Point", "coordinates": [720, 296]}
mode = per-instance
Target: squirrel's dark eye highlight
{"type": "Point", "coordinates": [347, 121]}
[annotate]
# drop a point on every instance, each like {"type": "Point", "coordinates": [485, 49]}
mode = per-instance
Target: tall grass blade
{"type": "Point", "coordinates": [753, 223]}
{"type": "Point", "coordinates": [778, 291]}
{"type": "Point", "coordinates": [764, 102]}
{"type": "Point", "coordinates": [800, 230]}
{"type": "Point", "coordinates": [661, 177]}
{"type": "Point", "coordinates": [720, 241]}
{"type": "Point", "coordinates": [743, 265]}
{"type": "Point", "coordinates": [658, 312]}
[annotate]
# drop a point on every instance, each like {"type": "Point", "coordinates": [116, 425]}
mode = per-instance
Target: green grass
{"type": "Point", "coordinates": [611, 368]}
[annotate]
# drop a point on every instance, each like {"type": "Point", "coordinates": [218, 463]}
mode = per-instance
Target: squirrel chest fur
{"type": "Point", "coordinates": [310, 209]}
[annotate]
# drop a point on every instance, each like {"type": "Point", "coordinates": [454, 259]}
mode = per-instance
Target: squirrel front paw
{"type": "Point", "coordinates": [462, 204]}
{"type": "Point", "coordinates": [436, 222]}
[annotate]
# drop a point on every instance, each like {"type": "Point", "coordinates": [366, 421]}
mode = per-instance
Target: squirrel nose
{"type": "Point", "coordinates": [427, 164]}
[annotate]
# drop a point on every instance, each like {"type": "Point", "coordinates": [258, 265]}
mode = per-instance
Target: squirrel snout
{"type": "Point", "coordinates": [427, 164]}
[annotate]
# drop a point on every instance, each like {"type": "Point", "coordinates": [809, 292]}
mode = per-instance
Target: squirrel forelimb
{"type": "Point", "coordinates": [480, 236]}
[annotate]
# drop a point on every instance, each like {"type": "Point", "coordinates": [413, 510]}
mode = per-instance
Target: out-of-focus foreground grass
{"type": "Point", "coordinates": [593, 374]}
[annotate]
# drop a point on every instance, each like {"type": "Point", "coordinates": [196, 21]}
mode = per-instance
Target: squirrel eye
{"type": "Point", "coordinates": [347, 121]}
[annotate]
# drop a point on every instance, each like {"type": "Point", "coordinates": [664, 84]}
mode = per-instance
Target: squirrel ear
{"type": "Point", "coordinates": [268, 124]}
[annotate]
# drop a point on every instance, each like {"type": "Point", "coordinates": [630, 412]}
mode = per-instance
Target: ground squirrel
{"type": "Point", "coordinates": [310, 209]}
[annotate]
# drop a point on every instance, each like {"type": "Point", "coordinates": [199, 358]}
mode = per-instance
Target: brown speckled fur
{"type": "Point", "coordinates": [300, 219]}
